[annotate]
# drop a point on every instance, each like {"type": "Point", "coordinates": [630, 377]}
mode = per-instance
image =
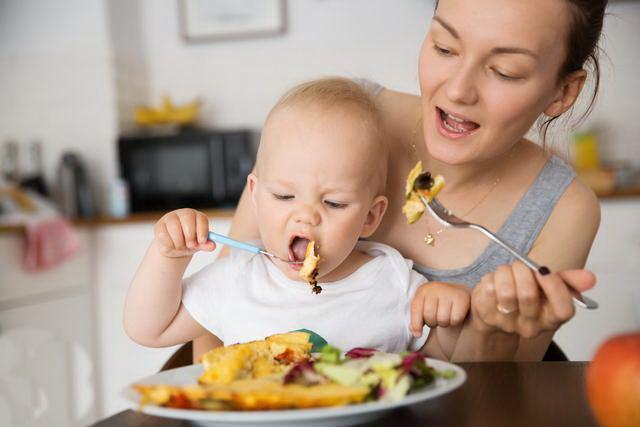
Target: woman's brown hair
{"type": "Point", "coordinates": [585, 28]}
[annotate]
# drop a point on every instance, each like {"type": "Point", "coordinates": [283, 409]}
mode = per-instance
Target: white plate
{"type": "Point", "coordinates": [338, 416]}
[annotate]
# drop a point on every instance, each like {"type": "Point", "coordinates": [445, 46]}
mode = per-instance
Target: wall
{"type": "Point", "coordinates": [56, 80]}
{"type": "Point", "coordinates": [380, 39]}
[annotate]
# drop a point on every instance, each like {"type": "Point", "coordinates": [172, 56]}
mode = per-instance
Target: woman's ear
{"type": "Point", "coordinates": [252, 182]}
{"type": "Point", "coordinates": [374, 216]}
{"type": "Point", "coordinates": [567, 93]}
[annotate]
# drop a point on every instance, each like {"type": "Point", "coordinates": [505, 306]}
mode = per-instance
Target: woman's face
{"type": "Point", "coordinates": [488, 69]}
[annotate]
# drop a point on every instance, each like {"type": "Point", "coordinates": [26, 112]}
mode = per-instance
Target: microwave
{"type": "Point", "coordinates": [195, 168]}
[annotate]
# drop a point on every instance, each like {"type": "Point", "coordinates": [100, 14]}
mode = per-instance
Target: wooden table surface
{"type": "Point", "coordinates": [495, 394]}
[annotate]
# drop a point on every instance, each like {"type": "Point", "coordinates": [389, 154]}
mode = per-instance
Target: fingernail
{"type": "Point", "coordinates": [544, 270]}
{"type": "Point", "coordinates": [417, 334]}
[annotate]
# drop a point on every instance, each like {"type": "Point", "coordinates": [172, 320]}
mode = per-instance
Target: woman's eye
{"type": "Point", "coordinates": [335, 205]}
{"type": "Point", "coordinates": [504, 76]}
{"type": "Point", "coordinates": [282, 196]}
{"type": "Point", "coordinates": [441, 50]}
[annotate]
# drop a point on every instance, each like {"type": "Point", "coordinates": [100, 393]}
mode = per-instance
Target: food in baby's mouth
{"type": "Point", "coordinates": [420, 183]}
{"type": "Point", "coordinates": [309, 270]}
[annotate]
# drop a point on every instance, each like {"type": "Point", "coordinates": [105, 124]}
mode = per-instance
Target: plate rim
{"type": "Point", "coordinates": [294, 414]}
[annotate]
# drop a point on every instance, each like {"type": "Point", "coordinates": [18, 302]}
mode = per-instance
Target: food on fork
{"type": "Point", "coordinates": [297, 380]}
{"type": "Point", "coordinates": [420, 183]}
{"type": "Point", "coordinates": [309, 270]}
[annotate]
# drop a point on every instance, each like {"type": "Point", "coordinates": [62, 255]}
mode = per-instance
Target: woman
{"type": "Point", "coordinates": [488, 70]}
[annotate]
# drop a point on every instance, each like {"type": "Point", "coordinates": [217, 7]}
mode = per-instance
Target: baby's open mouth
{"type": "Point", "coordinates": [298, 248]}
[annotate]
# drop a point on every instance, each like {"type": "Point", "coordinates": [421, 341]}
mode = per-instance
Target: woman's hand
{"type": "Point", "coordinates": [514, 299]}
{"type": "Point", "coordinates": [182, 233]}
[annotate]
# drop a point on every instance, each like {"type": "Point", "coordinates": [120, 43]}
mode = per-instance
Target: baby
{"type": "Point", "coordinates": [320, 176]}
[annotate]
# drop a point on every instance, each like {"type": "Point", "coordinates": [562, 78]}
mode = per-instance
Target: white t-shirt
{"type": "Point", "coordinates": [245, 297]}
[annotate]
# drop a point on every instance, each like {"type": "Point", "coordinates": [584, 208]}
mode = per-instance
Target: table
{"type": "Point", "coordinates": [495, 394]}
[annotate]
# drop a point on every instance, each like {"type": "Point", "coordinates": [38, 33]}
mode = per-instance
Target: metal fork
{"type": "Point", "coordinates": [448, 219]}
{"type": "Point", "coordinates": [226, 240]}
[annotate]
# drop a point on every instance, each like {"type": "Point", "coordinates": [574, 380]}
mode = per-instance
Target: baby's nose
{"type": "Point", "coordinates": [307, 215]}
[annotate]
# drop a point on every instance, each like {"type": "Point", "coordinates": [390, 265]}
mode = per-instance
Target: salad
{"type": "Point", "coordinates": [388, 376]}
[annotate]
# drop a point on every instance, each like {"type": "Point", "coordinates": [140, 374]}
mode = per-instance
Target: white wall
{"type": "Point", "coordinates": [56, 80]}
{"type": "Point", "coordinates": [241, 79]}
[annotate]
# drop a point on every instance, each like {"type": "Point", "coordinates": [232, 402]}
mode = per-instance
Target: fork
{"type": "Point", "coordinates": [448, 219]}
{"type": "Point", "coordinates": [226, 240]}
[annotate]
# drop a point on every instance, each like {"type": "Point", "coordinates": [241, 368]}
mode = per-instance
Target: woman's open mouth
{"type": "Point", "coordinates": [452, 126]}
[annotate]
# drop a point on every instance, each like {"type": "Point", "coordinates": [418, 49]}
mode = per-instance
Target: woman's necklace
{"type": "Point", "coordinates": [430, 238]}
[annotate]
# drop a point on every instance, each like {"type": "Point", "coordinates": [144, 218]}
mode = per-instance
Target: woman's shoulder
{"type": "Point", "coordinates": [571, 228]}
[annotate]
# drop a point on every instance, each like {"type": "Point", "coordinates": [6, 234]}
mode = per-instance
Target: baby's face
{"type": "Point", "coordinates": [314, 182]}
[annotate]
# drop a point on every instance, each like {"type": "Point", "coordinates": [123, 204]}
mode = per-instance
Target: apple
{"type": "Point", "coordinates": [613, 381]}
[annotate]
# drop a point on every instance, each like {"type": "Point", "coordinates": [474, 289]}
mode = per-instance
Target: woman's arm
{"type": "Point", "coordinates": [538, 305]}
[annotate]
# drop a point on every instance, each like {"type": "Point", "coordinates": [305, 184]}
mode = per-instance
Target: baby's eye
{"type": "Point", "coordinates": [335, 205]}
{"type": "Point", "coordinates": [282, 196]}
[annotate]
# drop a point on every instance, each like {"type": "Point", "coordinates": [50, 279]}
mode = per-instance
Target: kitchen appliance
{"type": "Point", "coordinates": [74, 195]}
{"type": "Point", "coordinates": [196, 168]}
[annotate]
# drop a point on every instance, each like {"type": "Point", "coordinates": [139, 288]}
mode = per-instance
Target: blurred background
{"type": "Point", "coordinates": [114, 111]}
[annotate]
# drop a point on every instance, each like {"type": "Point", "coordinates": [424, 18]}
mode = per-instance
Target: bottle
{"type": "Point", "coordinates": [119, 198]}
{"type": "Point", "coordinates": [74, 192]}
{"type": "Point", "coordinates": [10, 166]}
{"type": "Point", "coordinates": [32, 174]}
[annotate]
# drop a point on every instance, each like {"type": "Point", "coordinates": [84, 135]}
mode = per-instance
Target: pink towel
{"type": "Point", "coordinates": [49, 242]}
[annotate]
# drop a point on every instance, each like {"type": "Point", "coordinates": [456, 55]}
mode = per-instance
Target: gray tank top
{"type": "Point", "coordinates": [521, 228]}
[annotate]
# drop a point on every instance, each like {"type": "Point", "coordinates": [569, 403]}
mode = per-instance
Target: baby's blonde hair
{"type": "Point", "coordinates": [338, 92]}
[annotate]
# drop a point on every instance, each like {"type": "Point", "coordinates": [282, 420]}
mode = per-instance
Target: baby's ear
{"type": "Point", "coordinates": [252, 182]}
{"type": "Point", "coordinates": [374, 216]}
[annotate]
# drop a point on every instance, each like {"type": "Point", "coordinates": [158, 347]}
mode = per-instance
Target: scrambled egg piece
{"type": "Point", "coordinates": [419, 183]}
{"type": "Point", "coordinates": [255, 359]}
{"type": "Point", "coordinates": [309, 270]}
{"type": "Point", "coordinates": [252, 394]}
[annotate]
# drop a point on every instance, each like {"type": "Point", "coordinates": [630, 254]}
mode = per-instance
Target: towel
{"type": "Point", "coordinates": [49, 242]}
{"type": "Point", "coordinates": [50, 239]}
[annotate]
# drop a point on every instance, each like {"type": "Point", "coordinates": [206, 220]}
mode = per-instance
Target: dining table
{"type": "Point", "coordinates": [494, 394]}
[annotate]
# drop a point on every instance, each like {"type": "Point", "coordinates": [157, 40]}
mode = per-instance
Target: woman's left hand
{"type": "Point", "coordinates": [514, 299]}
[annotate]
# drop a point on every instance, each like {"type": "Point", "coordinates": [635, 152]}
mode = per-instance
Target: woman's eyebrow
{"type": "Point", "coordinates": [446, 26]}
{"type": "Point", "coordinates": [496, 50]}
{"type": "Point", "coordinates": [521, 50]}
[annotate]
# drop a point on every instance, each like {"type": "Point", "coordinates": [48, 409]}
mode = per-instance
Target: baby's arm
{"type": "Point", "coordinates": [444, 308]}
{"type": "Point", "coordinates": [153, 313]}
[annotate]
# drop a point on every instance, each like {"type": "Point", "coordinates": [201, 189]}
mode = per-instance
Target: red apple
{"type": "Point", "coordinates": [613, 382]}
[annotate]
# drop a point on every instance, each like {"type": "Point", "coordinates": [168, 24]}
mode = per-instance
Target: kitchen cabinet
{"type": "Point", "coordinates": [47, 350]}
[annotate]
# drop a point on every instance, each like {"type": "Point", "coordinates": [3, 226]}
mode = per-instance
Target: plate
{"type": "Point", "coordinates": [334, 416]}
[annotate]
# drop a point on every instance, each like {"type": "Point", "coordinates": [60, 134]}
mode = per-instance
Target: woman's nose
{"type": "Point", "coordinates": [461, 87]}
{"type": "Point", "coordinates": [306, 214]}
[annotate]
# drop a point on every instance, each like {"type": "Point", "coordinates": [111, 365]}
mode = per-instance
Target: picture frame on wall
{"type": "Point", "coordinates": [211, 20]}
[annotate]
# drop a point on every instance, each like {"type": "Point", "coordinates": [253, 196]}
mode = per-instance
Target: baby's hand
{"type": "Point", "coordinates": [439, 304]}
{"type": "Point", "coordinates": [183, 232]}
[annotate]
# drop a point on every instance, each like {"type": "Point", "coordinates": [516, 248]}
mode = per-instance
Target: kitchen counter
{"type": "Point", "coordinates": [133, 218]}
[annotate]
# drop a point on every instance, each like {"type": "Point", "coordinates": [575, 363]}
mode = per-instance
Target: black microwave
{"type": "Point", "coordinates": [196, 168]}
